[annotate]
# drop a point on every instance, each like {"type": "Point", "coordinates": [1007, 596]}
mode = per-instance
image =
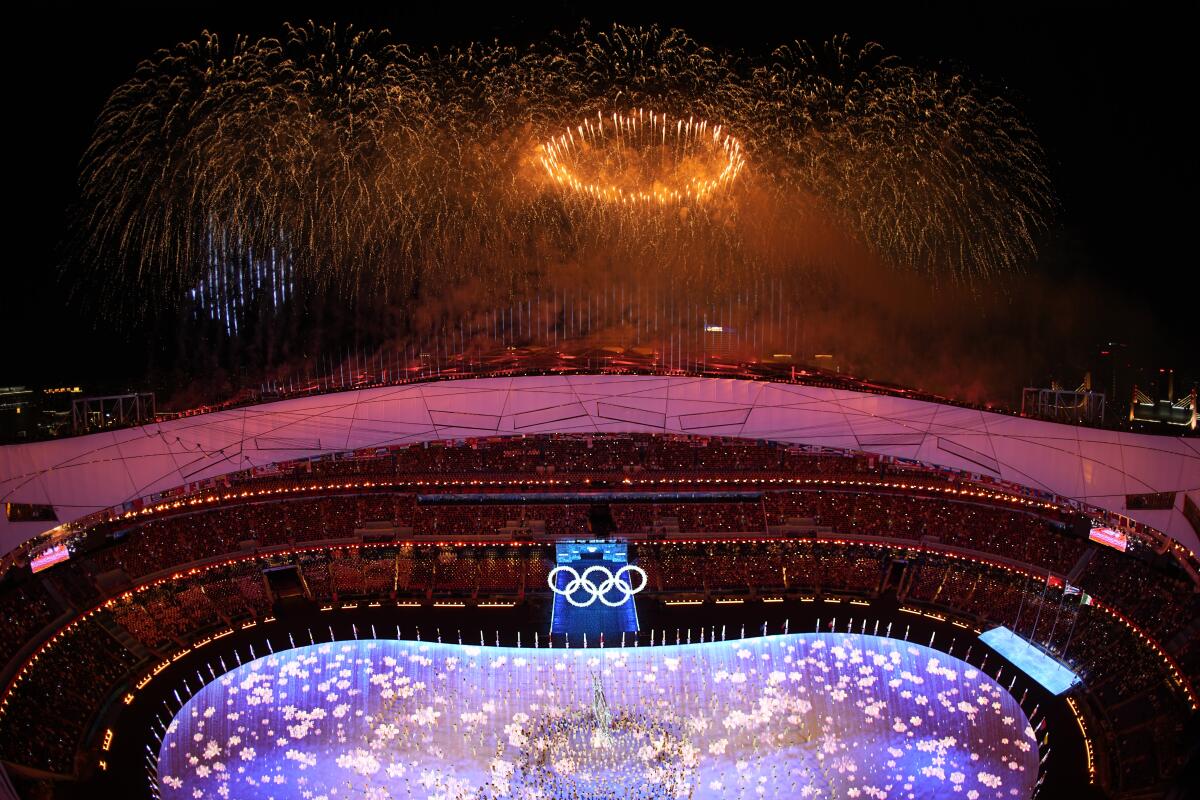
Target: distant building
{"type": "Point", "coordinates": [1166, 411]}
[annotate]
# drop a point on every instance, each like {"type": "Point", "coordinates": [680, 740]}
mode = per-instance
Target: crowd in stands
{"type": "Point", "coordinates": [1160, 600]}
{"type": "Point", "coordinates": [1017, 535]}
{"type": "Point", "coordinates": [1025, 537]}
{"type": "Point", "coordinates": [24, 610]}
{"type": "Point", "coordinates": [49, 712]}
{"type": "Point", "coordinates": [762, 568]}
{"type": "Point", "coordinates": [159, 616]}
{"type": "Point", "coordinates": [560, 457]}
{"type": "Point", "coordinates": [184, 538]}
{"type": "Point", "coordinates": [317, 534]}
{"type": "Point", "coordinates": [572, 455]}
{"type": "Point", "coordinates": [910, 509]}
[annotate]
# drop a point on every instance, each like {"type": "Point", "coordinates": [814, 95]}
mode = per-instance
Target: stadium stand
{"type": "Point", "coordinates": [140, 586]}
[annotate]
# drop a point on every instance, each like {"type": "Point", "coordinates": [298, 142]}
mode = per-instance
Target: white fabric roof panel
{"type": "Point", "coordinates": [84, 474]}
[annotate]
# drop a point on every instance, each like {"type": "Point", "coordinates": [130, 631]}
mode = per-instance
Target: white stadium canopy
{"type": "Point", "coordinates": [84, 474]}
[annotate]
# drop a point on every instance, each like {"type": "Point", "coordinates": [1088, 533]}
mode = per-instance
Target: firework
{"type": "Point", "coordinates": [642, 158]}
{"type": "Point", "coordinates": [331, 159]}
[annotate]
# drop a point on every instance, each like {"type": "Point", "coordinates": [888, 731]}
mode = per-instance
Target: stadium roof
{"type": "Point", "coordinates": [85, 474]}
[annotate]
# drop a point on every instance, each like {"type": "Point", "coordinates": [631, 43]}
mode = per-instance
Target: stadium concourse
{"type": "Point", "coordinates": [320, 568]}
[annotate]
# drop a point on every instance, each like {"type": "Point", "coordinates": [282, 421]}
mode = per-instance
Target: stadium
{"type": "Point", "coordinates": [583, 524]}
{"type": "Point", "coordinates": [806, 543]}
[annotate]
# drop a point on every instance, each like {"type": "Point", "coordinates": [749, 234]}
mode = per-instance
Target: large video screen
{"type": "Point", "coordinates": [1109, 537]}
{"type": "Point", "coordinates": [49, 557]}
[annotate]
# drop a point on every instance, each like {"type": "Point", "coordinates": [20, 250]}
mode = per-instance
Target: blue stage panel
{"type": "Point", "coordinates": [1051, 674]}
{"type": "Point", "coordinates": [597, 618]}
{"type": "Point", "coordinates": [805, 715]}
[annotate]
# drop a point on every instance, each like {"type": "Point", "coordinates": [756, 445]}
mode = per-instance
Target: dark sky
{"type": "Point", "coordinates": [1109, 94]}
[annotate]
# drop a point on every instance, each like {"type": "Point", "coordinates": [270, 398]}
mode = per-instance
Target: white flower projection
{"type": "Point", "coordinates": [804, 715]}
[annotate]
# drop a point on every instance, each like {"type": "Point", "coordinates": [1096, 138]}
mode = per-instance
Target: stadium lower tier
{"type": "Point", "coordinates": [801, 715]}
{"type": "Point", "coordinates": [1136, 706]}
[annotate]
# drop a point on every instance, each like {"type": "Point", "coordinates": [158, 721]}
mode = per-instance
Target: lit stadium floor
{"type": "Point", "coordinates": [805, 715]}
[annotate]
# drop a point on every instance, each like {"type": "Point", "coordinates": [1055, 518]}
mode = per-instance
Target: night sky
{"type": "Point", "coordinates": [1108, 94]}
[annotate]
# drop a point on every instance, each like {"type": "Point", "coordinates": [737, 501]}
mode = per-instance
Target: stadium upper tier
{"type": "Point", "coordinates": [83, 475]}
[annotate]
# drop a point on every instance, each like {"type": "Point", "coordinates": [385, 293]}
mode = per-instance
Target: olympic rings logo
{"type": "Point", "coordinates": [607, 583]}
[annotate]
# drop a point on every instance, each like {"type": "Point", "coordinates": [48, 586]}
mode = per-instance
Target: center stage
{"type": "Point", "coordinates": [803, 715]}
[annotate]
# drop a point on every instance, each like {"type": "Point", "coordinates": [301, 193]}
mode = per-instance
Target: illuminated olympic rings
{"type": "Point", "coordinates": [608, 582]}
